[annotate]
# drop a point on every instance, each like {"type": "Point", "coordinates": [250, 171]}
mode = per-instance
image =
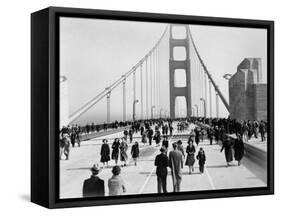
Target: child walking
{"type": "Point", "coordinates": [201, 157]}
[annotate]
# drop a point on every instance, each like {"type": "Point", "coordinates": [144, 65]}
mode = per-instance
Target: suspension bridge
{"type": "Point", "coordinates": [191, 91]}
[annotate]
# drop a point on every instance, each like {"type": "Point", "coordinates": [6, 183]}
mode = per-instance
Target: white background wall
{"type": "Point", "coordinates": [15, 106]}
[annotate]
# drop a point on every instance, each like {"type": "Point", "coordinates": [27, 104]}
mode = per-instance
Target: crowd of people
{"type": "Point", "coordinates": [216, 130]}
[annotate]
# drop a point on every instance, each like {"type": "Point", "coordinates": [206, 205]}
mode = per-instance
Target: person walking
{"type": "Point", "coordinates": [201, 157]}
{"type": "Point", "coordinates": [161, 162]}
{"type": "Point", "coordinates": [131, 135]}
{"type": "Point", "coordinates": [165, 143]}
{"type": "Point", "coordinates": [115, 150]}
{"type": "Point", "coordinates": [123, 152]}
{"type": "Point", "coordinates": [190, 150]}
{"type": "Point", "coordinates": [227, 147]}
{"type": "Point", "coordinates": [65, 144]}
{"type": "Point", "coordinates": [150, 135]}
{"type": "Point", "coordinates": [262, 130]}
{"type": "Point", "coordinates": [116, 185]}
{"type": "Point", "coordinates": [135, 152]}
{"type": "Point", "coordinates": [238, 149]}
{"type": "Point", "coordinates": [157, 137]}
{"type": "Point", "coordinates": [126, 133]}
{"type": "Point", "coordinates": [197, 135]}
{"type": "Point", "coordinates": [180, 147]}
{"type": "Point", "coordinates": [211, 135]}
{"type": "Point", "coordinates": [93, 186]}
{"type": "Point", "coordinates": [105, 152]}
{"type": "Point", "coordinates": [176, 165]}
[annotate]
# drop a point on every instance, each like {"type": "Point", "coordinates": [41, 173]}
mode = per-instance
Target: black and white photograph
{"type": "Point", "coordinates": [148, 108]}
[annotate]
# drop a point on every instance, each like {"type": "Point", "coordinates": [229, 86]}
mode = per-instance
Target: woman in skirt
{"type": "Point", "coordinates": [105, 152]}
{"type": "Point", "coordinates": [190, 150]}
{"type": "Point", "coordinates": [135, 152]}
{"type": "Point", "coordinates": [227, 147]}
{"type": "Point", "coordinates": [123, 152]}
{"type": "Point", "coordinates": [115, 150]}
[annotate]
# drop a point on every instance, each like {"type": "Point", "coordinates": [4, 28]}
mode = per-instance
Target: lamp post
{"type": "Point", "coordinates": [204, 101]}
{"type": "Point", "coordinates": [196, 109]}
{"type": "Point", "coordinates": [152, 107]}
{"type": "Point", "coordinates": [161, 113]}
{"type": "Point", "coordinates": [134, 109]}
{"type": "Point", "coordinates": [193, 112]}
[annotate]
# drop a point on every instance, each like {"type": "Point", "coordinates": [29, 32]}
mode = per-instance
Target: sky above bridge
{"type": "Point", "coordinates": [95, 53]}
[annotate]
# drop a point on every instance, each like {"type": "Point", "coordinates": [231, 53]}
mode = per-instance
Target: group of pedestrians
{"type": "Point", "coordinates": [119, 149]}
{"type": "Point", "coordinates": [175, 161]}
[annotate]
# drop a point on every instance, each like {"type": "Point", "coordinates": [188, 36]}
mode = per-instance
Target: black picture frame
{"type": "Point", "coordinates": [45, 105]}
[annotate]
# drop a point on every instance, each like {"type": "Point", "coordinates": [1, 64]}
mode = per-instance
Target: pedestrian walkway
{"type": "Point", "coordinates": [142, 178]}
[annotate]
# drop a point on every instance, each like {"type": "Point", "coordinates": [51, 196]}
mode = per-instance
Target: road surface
{"type": "Point", "coordinates": [142, 179]}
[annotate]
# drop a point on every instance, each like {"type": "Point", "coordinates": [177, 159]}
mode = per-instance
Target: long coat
{"type": "Point", "coordinates": [105, 152]}
{"type": "Point", "coordinates": [115, 150]}
{"type": "Point", "coordinates": [135, 151]}
{"type": "Point", "coordinates": [238, 149]}
{"type": "Point", "coordinates": [123, 151]}
{"type": "Point", "coordinates": [161, 162]}
{"type": "Point", "coordinates": [93, 187]}
{"type": "Point", "coordinates": [190, 150]}
{"type": "Point", "coordinates": [227, 147]}
{"type": "Point", "coordinates": [201, 157]}
{"type": "Point", "coordinates": [176, 164]}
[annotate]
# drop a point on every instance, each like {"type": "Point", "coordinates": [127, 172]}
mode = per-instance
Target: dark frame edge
{"type": "Point", "coordinates": [40, 108]}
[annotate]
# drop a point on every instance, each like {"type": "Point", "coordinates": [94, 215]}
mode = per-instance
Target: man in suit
{"type": "Point", "coordinates": [162, 162]}
{"type": "Point", "coordinates": [176, 164]}
{"type": "Point", "coordinates": [93, 186]}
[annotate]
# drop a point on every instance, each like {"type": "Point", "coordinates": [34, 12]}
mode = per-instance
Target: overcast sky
{"type": "Point", "coordinates": [95, 53]}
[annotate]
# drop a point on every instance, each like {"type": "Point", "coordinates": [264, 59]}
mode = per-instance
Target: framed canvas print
{"type": "Point", "coordinates": [138, 107]}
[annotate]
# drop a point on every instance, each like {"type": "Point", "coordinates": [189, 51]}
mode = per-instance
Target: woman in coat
{"type": "Point", "coordinates": [135, 152]}
{"type": "Point", "coordinates": [227, 147]}
{"type": "Point", "coordinates": [123, 151]}
{"type": "Point", "coordinates": [238, 149]}
{"type": "Point", "coordinates": [115, 150]}
{"type": "Point", "coordinates": [157, 137]}
{"type": "Point", "coordinates": [190, 150]}
{"type": "Point", "coordinates": [105, 152]}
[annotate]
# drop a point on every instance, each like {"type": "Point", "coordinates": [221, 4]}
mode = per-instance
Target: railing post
{"type": "Point", "coordinates": [134, 84]}
{"type": "Point", "coordinates": [124, 97]}
{"type": "Point", "coordinates": [217, 104]}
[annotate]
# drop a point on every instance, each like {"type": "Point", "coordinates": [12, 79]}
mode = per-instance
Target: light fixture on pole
{"type": "Point", "coordinates": [152, 107]}
{"type": "Point", "coordinates": [204, 101]}
{"type": "Point", "coordinates": [134, 109]}
{"type": "Point", "coordinates": [196, 109]}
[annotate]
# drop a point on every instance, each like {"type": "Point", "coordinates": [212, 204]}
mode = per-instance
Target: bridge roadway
{"type": "Point", "coordinates": [142, 179]}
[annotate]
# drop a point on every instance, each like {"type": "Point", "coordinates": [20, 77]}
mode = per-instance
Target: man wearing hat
{"type": "Point", "coordinates": [162, 162]}
{"type": "Point", "coordinates": [93, 186]}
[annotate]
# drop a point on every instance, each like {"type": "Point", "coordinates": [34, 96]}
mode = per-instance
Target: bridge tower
{"type": "Point", "coordinates": [181, 42]}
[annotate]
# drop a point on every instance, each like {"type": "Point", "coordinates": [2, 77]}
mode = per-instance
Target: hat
{"type": "Point", "coordinates": [95, 169]}
{"type": "Point", "coordinates": [162, 149]}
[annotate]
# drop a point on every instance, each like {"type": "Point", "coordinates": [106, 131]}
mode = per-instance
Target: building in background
{"type": "Point", "coordinates": [247, 92]}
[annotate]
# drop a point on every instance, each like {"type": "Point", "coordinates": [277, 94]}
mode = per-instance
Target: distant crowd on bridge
{"type": "Point", "coordinates": [216, 130]}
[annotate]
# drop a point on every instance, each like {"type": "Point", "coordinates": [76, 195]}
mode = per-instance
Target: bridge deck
{"type": "Point", "coordinates": [142, 178]}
